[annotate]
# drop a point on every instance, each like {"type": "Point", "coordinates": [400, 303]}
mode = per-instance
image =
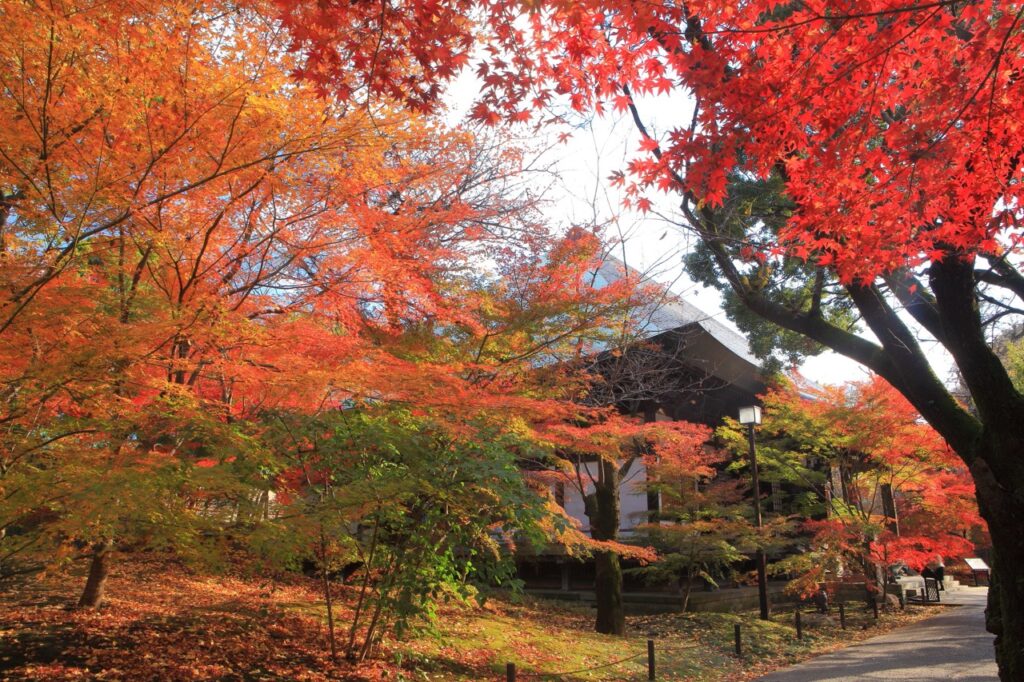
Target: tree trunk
{"type": "Point", "coordinates": [611, 618]}
{"type": "Point", "coordinates": [874, 575]}
{"type": "Point", "coordinates": [1002, 505]}
{"type": "Point", "coordinates": [687, 590]}
{"type": "Point", "coordinates": [1005, 604]}
{"type": "Point", "coordinates": [325, 575]}
{"type": "Point", "coordinates": [99, 568]}
{"type": "Point", "coordinates": [602, 508]}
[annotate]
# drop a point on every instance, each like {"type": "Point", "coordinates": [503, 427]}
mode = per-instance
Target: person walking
{"type": "Point", "coordinates": [936, 568]}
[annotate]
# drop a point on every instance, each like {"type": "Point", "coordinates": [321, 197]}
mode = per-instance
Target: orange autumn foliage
{"type": "Point", "coordinates": [193, 242]}
{"type": "Point", "coordinates": [865, 436]}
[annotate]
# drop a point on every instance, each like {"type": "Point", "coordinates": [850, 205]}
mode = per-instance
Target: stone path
{"type": "Point", "coordinates": [951, 646]}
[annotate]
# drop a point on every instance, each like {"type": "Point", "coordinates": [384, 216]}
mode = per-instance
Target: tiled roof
{"type": "Point", "coordinates": [675, 313]}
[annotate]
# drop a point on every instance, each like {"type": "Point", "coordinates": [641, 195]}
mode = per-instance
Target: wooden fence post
{"type": "Point", "coordinates": [739, 641]}
{"type": "Point", "coordinates": [510, 672]}
{"type": "Point", "coordinates": [650, 659]}
{"type": "Point", "coordinates": [842, 616]}
{"type": "Point", "coordinates": [799, 626]}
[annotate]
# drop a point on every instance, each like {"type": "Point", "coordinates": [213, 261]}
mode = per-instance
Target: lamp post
{"type": "Point", "coordinates": [751, 417]}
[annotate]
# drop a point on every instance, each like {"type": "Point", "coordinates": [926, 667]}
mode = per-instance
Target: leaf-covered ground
{"type": "Point", "coordinates": [165, 622]}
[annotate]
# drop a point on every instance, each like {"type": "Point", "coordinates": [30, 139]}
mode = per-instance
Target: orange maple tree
{"type": "Point", "coordinates": [886, 488]}
{"type": "Point", "coordinates": [198, 250]}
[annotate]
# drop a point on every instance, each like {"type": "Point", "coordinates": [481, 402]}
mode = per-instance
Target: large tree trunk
{"type": "Point", "coordinates": [602, 508]}
{"type": "Point", "coordinates": [992, 452]}
{"type": "Point", "coordinates": [99, 568]}
{"type": "Point", "coordinates": [1002, 504]}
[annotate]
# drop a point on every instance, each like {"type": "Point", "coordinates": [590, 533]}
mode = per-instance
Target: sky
{"type": "Point", "coordinates": [578, 193]}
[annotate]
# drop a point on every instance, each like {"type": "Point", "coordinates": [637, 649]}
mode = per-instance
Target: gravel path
{"type": "Point", "coordinates": [951, 646]}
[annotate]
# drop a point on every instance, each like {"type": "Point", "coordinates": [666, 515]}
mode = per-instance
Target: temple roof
{"type": "Point", "coordinates": [716, 348]}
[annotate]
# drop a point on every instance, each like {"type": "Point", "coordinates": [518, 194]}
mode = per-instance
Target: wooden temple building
{"type": "Point", "coordinates": [691, 367]}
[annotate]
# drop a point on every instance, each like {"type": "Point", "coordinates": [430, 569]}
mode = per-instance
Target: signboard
{"type": "Point", "coordinates": [976, 564]}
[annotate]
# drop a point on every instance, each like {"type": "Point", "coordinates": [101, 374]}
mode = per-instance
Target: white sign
{"type": "Point", "coordinates": [976, 564]}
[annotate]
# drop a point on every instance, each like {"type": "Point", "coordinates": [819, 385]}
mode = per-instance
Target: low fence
{"type": "Point", "coordinates": [512, 674]}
